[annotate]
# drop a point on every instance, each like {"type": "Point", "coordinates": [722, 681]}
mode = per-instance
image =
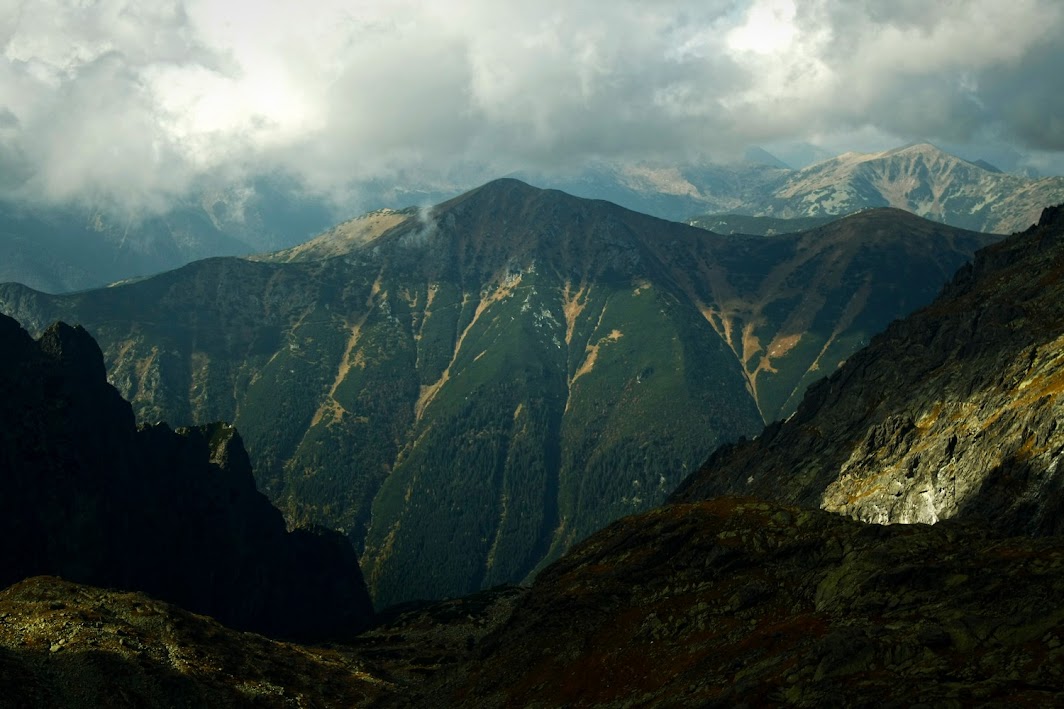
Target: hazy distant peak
{"type": "Point", "coordinates": [989, 167]}
{"type": "Point", "coordinates": [920, 178]}
{"type": "Point", "coordinates": [759, 156]}
{"type": "Point", "coordinates": [925, 150]}
{"type": "Point", "coordinates": [924, 147]}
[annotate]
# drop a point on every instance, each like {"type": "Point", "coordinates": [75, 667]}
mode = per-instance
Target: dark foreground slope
{"type": "Point", "coordinates": [725, 603]}
{"type": "Point", "coordinates": [86, 495]}
{"type": "Point", "coordinates": [746, 603]}
{"type": "Point", "coordinates": [467, 391]}
{"type": "Point", "coordinates": [954, 411]}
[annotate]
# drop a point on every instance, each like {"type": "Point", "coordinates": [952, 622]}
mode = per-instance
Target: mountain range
{"type": "Point", "coordinates": [467, 391]}
{"type": "Point", "coordinates": [669, 191]}
{"type": "Point", "coordinates": [942, 435]}
{"type": "Point", "coordinates": [70, 247]}
{"type": "Point", "coordinates": [921, 179]}
{"type": "Point", "coordinates": [918, 178]}
{"type": "Point", "coordinates": [948, 417]}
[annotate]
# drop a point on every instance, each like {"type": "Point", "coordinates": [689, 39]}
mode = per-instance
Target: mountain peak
{"type": "Point", "coordinates": [920, 178]}
{"type": "Point", "coordinates": [502, 186]}
{"type": "Point", "coordinates": [757, 155]}
{"type": "Point", "coordinates": [74, 350]}
{"type": "Point", "coordinates": [502, 193]}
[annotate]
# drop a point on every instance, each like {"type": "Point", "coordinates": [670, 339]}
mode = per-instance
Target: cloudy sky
{"type": "Point", "coordinates": [139, 101]}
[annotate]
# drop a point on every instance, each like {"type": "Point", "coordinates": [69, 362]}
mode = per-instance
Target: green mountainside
{"type": "Point", "coordinates": [471, 390]}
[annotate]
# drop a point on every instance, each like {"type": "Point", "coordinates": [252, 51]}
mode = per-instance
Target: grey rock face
{"type": "Point", "coordinates": [954, 411]}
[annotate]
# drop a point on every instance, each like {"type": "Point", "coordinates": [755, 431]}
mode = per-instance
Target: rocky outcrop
{"type": "Point", "coordinates": [86, 495]}
{"type": "Point", "coordinates": [954, 411]}
{"type": "Point", "coordinates": [69, 645]}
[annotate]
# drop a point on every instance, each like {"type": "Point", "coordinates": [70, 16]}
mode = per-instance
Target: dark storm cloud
{"type": "Point", "coordinates": [1027, 97]}
{"type": "Point", "coordinates": [953, 71]}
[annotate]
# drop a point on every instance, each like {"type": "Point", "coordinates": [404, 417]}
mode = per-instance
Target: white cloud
{"type": "Point", "coordinates": [136, 102]}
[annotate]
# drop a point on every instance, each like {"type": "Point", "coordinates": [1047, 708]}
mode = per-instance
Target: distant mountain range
{"type": "Point", "coordinates": [674, 192]}
{"type": "Point", "coordinates": [75, 247]}
{"type": "Point", "coordinates": [468, 390]}
{"type": "Point", "coordinates": [919, 178]}
{"type": "Point", "coordinates": [65, 249]}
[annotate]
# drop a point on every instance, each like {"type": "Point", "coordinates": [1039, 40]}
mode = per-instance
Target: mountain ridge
{"type": "Point", "coordinates": [961, 424]}
{"type": "Point", "coordinates": [69, 247]}
{"type": "Point", "coordinates": [919, 178]}
{"type": "Point", "coordinates": [495, 378]}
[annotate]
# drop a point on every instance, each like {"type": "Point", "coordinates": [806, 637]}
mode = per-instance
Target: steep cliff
{"type": "Point", "coordinates": [90, 497]}
{"type": "Point", "coordinates": [954, 411]}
